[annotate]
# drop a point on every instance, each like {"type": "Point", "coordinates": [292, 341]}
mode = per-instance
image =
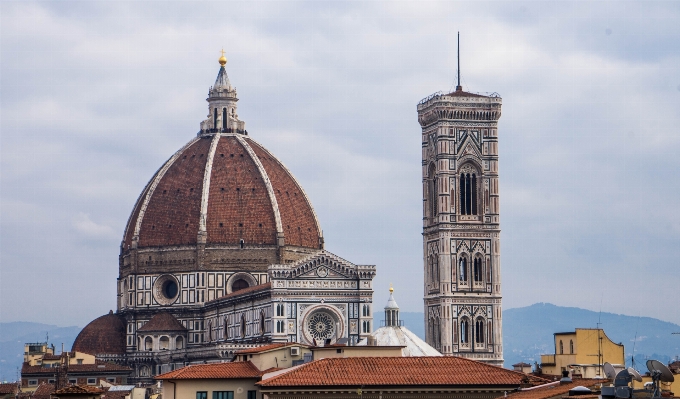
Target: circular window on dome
{"type": "Point", "coordinates": [165, 290]}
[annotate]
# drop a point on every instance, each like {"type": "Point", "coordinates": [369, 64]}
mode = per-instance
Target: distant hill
{"type": "Point", "coordinates": [14, 335]}
{"type": "Point", "coordinates": [528, 332]}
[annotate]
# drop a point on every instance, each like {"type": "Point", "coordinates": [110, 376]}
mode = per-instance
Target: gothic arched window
{"type": "Point", "coordinates": [464, 331]}
{"type": "Point", "coordinates": [468, 191]}
{"type": "Point", "coordinates": [243, 326]}
{"type": "Point", "coordinates": [571, 346]}
{"type": "Point", "coordinates": [432, 191]}
{"type": "Point", "coordinates": [462, 265]}
{"type": "Point", "coordinates": [226, 328]}
{"type": "Point", "coordinates": [215, 118]}
{"type": "Point", "coordinates": [561, 348]}
{"type": "Point", "coordinates": [224, 118]}
{"type": "Point", "coordinates": [477, 269]}
{"type": "Point", "coordinates": [479, 331]}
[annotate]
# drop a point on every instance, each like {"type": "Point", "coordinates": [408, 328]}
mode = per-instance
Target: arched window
{"type": "Point", "coordinates": [477, 269]}
{"type": "Point", "coordinates": [468, 192]}
{"type": "Point", "coordinates": [561, 348]}
{"type": "Point", "coordinates": [148, 344]}
{"type": "Point", "coordinates": [366, 327]}
{"type": "Point", "coordinates": [432, 191]}
{"type": "Point", "coordinates": [462, 265]}
{"type": "Point", "coordinates": [262, 322]}
{"type": "Point", "coordinates": [434, 269]}
{"type": "Point", "coordinates": [571, 346]}
{"type": "Point", "coordinates": [243, 326]}
{"type": "Point", "coordinates": [464, 331]}
{"type": "Point", "coordinates": [224, 119]}
{"type": "Point", "coordinates": [479, 331]}
{"type": "Point", "coordinates": [280, 326]}
{"type": "Point", "coordinates": [366, 311]}
{"type": "Point", "coordinates": [179, 343]}
{"type": "Point", "coordinates": [215, 118]}
{"type": "Point", "coordinates": [279, 310]}
{"type": "Point", "coordinates": [164, 343]}
{"type": "Point", "coordinates": [226, 328]}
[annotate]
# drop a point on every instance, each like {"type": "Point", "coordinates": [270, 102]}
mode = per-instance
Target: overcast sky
{"type": "Point", "coordinates": [95, 96]}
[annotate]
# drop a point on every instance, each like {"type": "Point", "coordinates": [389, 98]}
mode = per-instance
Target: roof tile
{"type": "Point", "coordinates": [408, 371]}
{"type": "Point", "coordinates": [213, 371]}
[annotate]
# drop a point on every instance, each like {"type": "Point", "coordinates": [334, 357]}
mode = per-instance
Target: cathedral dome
{"type": "Point", "coordinates": [105, 334]}
{"type": "Point", "coordinates": [222, 189]}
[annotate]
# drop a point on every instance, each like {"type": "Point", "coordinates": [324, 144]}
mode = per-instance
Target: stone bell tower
{"type": "Point", "coordinates": [461, 231]}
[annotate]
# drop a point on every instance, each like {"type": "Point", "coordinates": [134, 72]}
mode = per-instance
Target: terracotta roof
{"type": "Point", "coordinates": [553, 390]}
{"type": "Point", "coordinates": [248, 290]}
{"type": "Point", "coordinates": [521, 364]}
{"type": "Point", "coordinates": [269, 347]}
{"type": "Point", "coordinates": [409, 371]}
{"type": "Point", "coordinates": [163, 321]}
{"type": "Point", "coordinates": [104, 335]}
{"type": "Point", "coordinates": [78, 389]}
{"type": "Point", "coordinates": [75, 368]}
{"type": "Point", "coordinates": [10, 388]}
{"type": "Point", "coordinates": [211, 371]}
{"type": "Point", "coordinates": [242, 176]}
{"type": "Point", "coordinates": [43, 391]}
{"type": "Point", "coordinates": [116, 394]}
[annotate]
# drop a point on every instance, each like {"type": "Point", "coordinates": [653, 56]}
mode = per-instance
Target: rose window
{"type": "Point", "coordinates": [321, 326]}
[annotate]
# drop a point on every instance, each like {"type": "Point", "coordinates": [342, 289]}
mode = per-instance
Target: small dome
{"type": "Point", "coordinates": [104, 335]}
{"type": "Point", "coordinates": [401, 336]}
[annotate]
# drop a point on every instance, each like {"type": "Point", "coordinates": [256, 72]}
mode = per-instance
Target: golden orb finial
{"type": "Point", "coordinates": [223, 59]}
{"type": "Point", "coordinates": [391, 289]}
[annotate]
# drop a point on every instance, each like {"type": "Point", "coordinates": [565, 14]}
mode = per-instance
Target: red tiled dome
{"type": "Point", "coordinates": [104, 335]}
{"type": "Point", "coordinates": [246, 194]}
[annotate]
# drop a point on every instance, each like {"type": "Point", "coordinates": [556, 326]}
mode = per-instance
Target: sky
{"type": "Point", "coordinates": [95, 96]}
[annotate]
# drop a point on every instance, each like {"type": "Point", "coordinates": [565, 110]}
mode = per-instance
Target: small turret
{"type": "Point", "coordinates": [391, 311]}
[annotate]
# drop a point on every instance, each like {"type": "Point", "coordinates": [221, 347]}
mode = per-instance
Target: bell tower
{"type": "Point", "coordinates": [461, 230]}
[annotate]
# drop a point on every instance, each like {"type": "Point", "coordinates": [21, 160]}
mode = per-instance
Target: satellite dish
{"type": "Point", "coordinates": [665, 374]}
{"type": "Point", "coordinates": [634, 373]}
{"type": "Point", "coordinates": [609, 371]}
{"type": "Point", "coordinates": [622, 379]}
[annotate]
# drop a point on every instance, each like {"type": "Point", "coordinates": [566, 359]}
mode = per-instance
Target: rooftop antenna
{"type": "Point", "coordinates": [459, 87]}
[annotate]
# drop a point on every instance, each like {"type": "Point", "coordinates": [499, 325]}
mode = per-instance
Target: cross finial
{"type": "Point", "coordinates": [223, 59]}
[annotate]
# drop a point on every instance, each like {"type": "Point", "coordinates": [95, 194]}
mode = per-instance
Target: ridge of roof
{"type": "Point", "coordinates": [251, 289]}
{"type": "Point", "coordinates": [79, 389]}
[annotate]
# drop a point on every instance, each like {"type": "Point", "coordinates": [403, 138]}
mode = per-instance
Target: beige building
{"type": "Point", "coordinates": [41, 366]}
{"type": "Point", "coordinates": [583, 353]}
{"type": "Point", "coordinates": [234, 380]}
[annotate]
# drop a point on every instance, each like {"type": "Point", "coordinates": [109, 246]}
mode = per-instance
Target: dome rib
{"type": "Point", "coordinates": [276, 163]}
{"type": "Point", "coordinates": [267, 182]}
{"type": "Point", "coordinates": [154, 184]}
{"type": "Point", "coordinates": [202, 230]}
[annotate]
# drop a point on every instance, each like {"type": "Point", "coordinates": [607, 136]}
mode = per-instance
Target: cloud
{"type": "Point", "coordinates": [91, 230]}
{"type": "Point", "coordinates": [96, 96]}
